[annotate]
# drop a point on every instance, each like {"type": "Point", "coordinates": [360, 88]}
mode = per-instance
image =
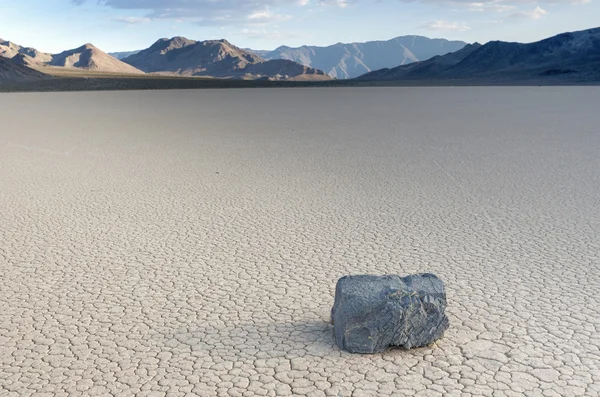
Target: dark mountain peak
{"type": "Point", "coordinates": [161, 40]}
{"type": "Point", "coordinates": [216, 42]}
{"type": "Point", "coordinates": [180, 39]}
{"type": "Point", "coordinates": [566, 54]}
{"type": "Point", "coordinates": [165, 44]}
{"type": "Point", "coordinates": [214, 58]}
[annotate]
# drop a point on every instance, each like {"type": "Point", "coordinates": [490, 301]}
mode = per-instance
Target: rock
{"type": "Point", "coordinates": [371, 313]}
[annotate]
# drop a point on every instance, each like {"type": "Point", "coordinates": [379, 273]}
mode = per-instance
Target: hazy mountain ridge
{"type": "Point", "coordinates": [573, 53]}
{"type": "Point", "coordinates": [122, 54]}
{"type": "Point", "coordinates": [354, 59]}
{"type": "Point", "coordinates": [214, 58]}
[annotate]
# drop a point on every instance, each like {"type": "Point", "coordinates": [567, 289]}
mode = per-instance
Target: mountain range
{"type": "Point", "coordinates": [344, 61]}
{"type": "Point", "coordinates": [176, 56]}
{"type": "Point", "coordinates": [86, 57]}
{"type": "Point", "coordinates": [216, 58]}
{"type": "Point", "coordinates": [9, 49]}
{"type": "Point", "coordinates": [573, 55]}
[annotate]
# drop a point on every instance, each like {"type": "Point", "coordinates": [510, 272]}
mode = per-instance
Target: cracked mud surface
{"type": "Point", "coordinates": [187, 243]}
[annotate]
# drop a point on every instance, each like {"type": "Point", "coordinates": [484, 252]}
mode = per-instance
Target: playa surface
{"type": "Point", "coordinates": [183, 243]}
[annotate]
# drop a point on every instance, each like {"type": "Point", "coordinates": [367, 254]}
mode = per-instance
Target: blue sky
{"type": "Point", "coordinates": [118, 25]}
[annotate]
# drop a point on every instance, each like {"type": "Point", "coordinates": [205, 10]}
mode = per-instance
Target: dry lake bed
{"type": "Point", "coordinates": [187, 243]}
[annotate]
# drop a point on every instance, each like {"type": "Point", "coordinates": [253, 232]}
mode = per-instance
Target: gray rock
{"type": "Point", "coordinates": [372, 313]}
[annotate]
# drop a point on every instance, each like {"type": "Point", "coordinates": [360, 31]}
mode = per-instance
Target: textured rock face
{"type": "Point", "coordinates": [372, 313]}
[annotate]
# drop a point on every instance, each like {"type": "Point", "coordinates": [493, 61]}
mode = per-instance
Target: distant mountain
{"type": "Point", "coordinates": [85, 57]}
{"type": "Point", "coordinates": [216, 58]}
{"type": "Point", "coordinates": [9, 49]}
{"type": "Point", "coordinates": [424, 69]}
{"type": "Point", "coordinates": [574, 55]}
{"type": "Point", "coordinates": [345, 61]}
{"type": "Point", "coordinates": [260, 53]}
{"type": "Point", "coordinates": [10, 71]}
{"type": "Point", "coordinates": [91, 58]}
{"type": "Point", "coordinates": [122, 54]}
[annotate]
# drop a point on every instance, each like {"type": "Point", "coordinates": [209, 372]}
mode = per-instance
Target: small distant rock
{"type": "Point", "coordinates": [372, 313]}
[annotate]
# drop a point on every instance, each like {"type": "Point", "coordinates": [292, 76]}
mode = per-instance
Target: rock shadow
{"type": "Point", "coordinates": [251, 341]}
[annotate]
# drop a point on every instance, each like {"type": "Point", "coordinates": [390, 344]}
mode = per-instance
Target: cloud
{"type": "Point", "coordinates": [446, 26]}
{"type": "Point", "coordinates": [205, 9]}
{"type": "Point", "coordinates": [488, 7]}
{"type": "Point", "coordinates": [265, 34]}
{"type": "Point", "coordinates": [239, 12]}
{"type": "Point", "coordinates": [498, 5]}
{"type": "Point", "coordinates": [536, 13]}
{"type": "Point", "coordinates": [341, 3]}
{"type": "Point", "coordinates": [266, 16]}
{"type": "Point", "coordinates": [490, 21]}
{"type": "Point", "coordinates": [191, 9]}
{"type": "Point", "coordinates": [132, 20]}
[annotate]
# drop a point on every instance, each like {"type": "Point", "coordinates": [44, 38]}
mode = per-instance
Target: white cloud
{"type": "Point", "coordinates": [341, 3]}
{"type": "Point", "coordinates": [238, 12]}
{"type": "Point", "coordinates": [491, 21]}
{"type": "Point", "coordinates": [266, 16]}
{"type": "Point", "coordinates": [500, 5]}
{"type": "Point", "coordinates": [491, 7]}
{"type": "Point", "coordinates": [446, 26]}
{"type": "Point", "coordinates": [205, 11]}
{"type": "Point", "coordinates": [265, 34]}
{"type": "Point", "coordinates": [132, 20]}
{"type": "Point", "coordinates": [536, 13]}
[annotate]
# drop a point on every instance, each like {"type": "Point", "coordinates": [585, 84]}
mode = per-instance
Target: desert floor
{"type": "Point", "coordinates": [182, 243]}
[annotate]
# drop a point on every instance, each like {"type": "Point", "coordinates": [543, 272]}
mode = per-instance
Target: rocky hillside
{"type": "Point", "coordinates": [91, 58]}
{"type": "Point", "coordinates": [86, 57]}
{"type": "Point", "coordinates": [9, 49]}
{"type": "Point", "coordinates": [215, 58]}
{"type": "Point", "coordinates": [12, 72]}
{"type": "Point", "coordinates": [575, 55]}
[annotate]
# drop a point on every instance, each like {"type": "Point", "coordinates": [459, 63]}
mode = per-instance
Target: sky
{"type": "Point", "coordinates": [121, 25]}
